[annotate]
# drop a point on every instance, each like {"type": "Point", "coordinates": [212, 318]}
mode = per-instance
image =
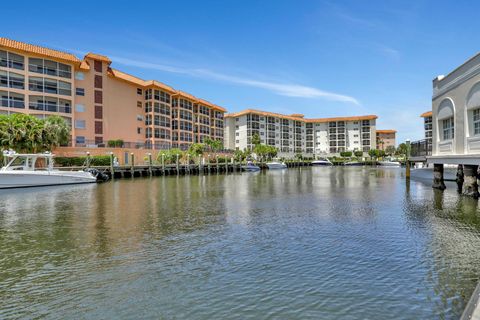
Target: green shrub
{"type": "Point", "coordinates": [81, 161]}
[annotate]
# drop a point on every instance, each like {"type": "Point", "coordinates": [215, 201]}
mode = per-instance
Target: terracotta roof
{"type": "Point", "coordinates": [297, 115]}
{"type": "Point", "coordinates": [296, 118]}
{"type": "Point", "coordinates": [84, 65]}
{"type": "Point", "coordinates": [387, 131]}
{"type": "Point", "coordinates": [354, 118]}
{"type": "Point", "coordinates": [42, 51]}
{"type": "Point", "coordinates": [211, 105]}
{"type": "Point", "coordinates": [125, 77]}
{"type": "Point", "coordinates": [99, 57]}
{"type": "Point", "coordinates": [426, 114]}
{"type": "Point", "coordinates": [160, 85]}
{"type": "Point", "coordinates": [186, 95]}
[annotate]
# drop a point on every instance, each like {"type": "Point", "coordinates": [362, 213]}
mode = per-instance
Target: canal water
{"type": "Point", "coordinates": [303, 243]}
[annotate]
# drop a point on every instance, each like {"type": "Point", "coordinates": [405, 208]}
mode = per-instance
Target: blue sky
{"type": "Point", "coordinates": [319, 58]}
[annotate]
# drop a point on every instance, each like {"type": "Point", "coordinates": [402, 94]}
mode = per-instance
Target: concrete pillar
{"type": "Point", "coordinates": [438, 182]}
{"type": "Point", "coordinates": [460, 178]}
{"type": "Point", "coordinates": [470, 186]}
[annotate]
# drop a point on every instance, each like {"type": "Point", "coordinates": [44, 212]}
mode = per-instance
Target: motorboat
{"type": "Point", "coordinates": [321, 162]}
{"type": "Point", "coordinates": [276, 165]}
{"type": "Point", "coordinates": [353, 163]}
{"type": "Point", "coordinates": [250, 167]}
{"type": "Point", "coordinates": [35, 170]}
{"type": "Point", "coordinates": [389, 163]}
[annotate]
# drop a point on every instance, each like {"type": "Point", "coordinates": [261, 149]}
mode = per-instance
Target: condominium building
{"type": "Point", "coordinates": [386, 138]}
{"type": "Point", "coordinates": [427, 125]}
{"type": "Point", "coordinates": [102, 103]}
{"type": "Point", "coordinates": [293, 134]}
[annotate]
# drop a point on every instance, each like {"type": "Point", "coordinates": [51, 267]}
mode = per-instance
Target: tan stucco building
{"type": "Point", "coordinates": [386, 138]}
{"type": "Point", "coordinates": [102, 103]}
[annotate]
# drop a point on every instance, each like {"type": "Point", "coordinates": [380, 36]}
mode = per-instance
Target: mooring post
{"type": "Point", "coordinates": [132, 166]}
{"type": "Point", "coordinates": [112, 172]}
{"type": "Point", "coordinates": [150, 172]}
{"type": "Point", "coordinates": [188, 163]}
{"type": "Point", "coordinates": [438, 182]}
{"type": "Point", "coordinates": [208, 164]}
{"type": "Point", "coordinates": [88, 159]}
{"type": "Point", "coordinates": [178, 166]}
{"type": "Point", "coordinates": [163, 164]}
{"type": "Point", "coordinates": [216, 156]}
{"type": "Point", "coordinates": [470, 185]}
{"type": "Point", "coordinates": [460, 178]}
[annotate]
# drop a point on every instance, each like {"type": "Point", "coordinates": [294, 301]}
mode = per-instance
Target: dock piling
{"type": "Point", "coordinates": [460, 178]}
{"type": "Point", "coordinates": [470, 185]}
{"type": "Point", "coordinates": [438, 182]}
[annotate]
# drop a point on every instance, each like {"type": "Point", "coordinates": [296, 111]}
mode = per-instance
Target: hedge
{"type": "Point", "coordinates": [81, 161]}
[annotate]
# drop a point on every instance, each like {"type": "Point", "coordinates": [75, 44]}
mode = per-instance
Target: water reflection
{"type": "Point", "coordinates": [323, 243]}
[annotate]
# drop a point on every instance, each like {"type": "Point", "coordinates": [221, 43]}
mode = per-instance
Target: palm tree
{"type": "Point", "coordinates": [56, 132]}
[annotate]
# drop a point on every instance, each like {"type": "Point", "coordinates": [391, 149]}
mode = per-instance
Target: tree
{"type": "Point", "coordinates": [358, 154]}
{"type": "Point", "coordinates": [265, 152]}
{"type": "Point", "coordinates": [256, 139]}
{"type": "Point", "coordinates": [170, 156]}
{"type": "Point", "coordinates": [215, 145]}
{"type": "Point", "coordinates": [390, 150]}
{"type": "Point", "coordinates": [346, 154]}
{"type": "Point", "coordinates": [195, 149]}
{"type": "Point", "coordinates": [373, 153]}
{"type": "Point", "coordinates": [26, 133]}
{"type": "Point", "coordinates": [402, 149]}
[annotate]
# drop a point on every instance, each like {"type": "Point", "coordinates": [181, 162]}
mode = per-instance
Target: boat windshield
{"type": "Point", "coordinates": [29, 163]}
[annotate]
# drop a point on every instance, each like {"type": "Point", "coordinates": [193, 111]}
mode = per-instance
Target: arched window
{"type": "Point", "coordinates": [445, 118]}
{"type": "Point", "coordinates": [473, 110]}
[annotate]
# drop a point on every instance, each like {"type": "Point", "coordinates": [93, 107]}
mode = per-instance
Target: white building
{"type": "Point", "coordinates": [456, 115]}
{"type": "Point", "coordinates": [293, 134]}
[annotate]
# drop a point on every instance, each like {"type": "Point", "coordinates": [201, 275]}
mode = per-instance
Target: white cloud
{"type": "Point", "coordinates": [284, 89]}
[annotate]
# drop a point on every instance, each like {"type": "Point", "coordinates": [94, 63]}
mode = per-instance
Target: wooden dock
{"type": "Point", "coordinates": [146, 170]}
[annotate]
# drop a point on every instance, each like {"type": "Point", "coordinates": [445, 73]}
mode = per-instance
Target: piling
{"type": "Point", "coordinates": [460, 178]}
{"type": "Point", "coordinates": [112, 171]}
{"type": "Point", "coordinates": [132, 166]}
{"type": "Point", "coordinates": [438, 182]}
{"type": "Point", "coordinates": [150, 164]}
{"type": "Point", "coordinates": [88, 159]}
{"type": "Point", "coordinates": [470, 185]}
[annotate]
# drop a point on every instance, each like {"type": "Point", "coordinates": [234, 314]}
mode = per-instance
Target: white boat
{"type": "Point", "coordinates": [276, 165]}
{"type": "Point", "coordinates": [388, 163]}
{"type": "Point", "coordinates": [35, 170]}
{"type": "Point", "coordinates": [321, 162]}
{"type": "Point", "coordinates": [250, 167]}
{"type": "Point", "coordinates": [353, 163]}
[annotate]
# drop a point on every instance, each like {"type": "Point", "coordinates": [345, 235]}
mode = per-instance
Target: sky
{"type": "Point", "coordinates": [318, 58]}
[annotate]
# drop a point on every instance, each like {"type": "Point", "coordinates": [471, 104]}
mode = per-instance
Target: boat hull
{"type": "Point", "coordinates": [39, 179]}
{"type": "Point", "coordinates": [321, 163]}
{"type": "Point", "coordinates": [273, 166]}
{"type": "Point", "coordinates": [251, 168]}
{"type": "Point", "coordinates": [389, 163]}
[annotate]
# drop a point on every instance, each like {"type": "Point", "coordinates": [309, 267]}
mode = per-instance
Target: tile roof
{"type": "Point", "coordinates": [186, 95]}
{"type": "Point", "coordinates": [211, 105]}
{"type": "Point", "coordinates": [296, 117]}
{"type": "Point", "coordinates": [426, 114]}
{"type": "Point", "coordinates": [387, 131]}
{"type": "Point", "coordinates": [84, 65]}
{"type": "Point", "coordinates": [160, 85]}
{"type": "Point", "coordinates": [42, 51]}
{"type": "Point", "coordinates": [125, 77]}
{"type": "Point", "coordinates": [99, 57]}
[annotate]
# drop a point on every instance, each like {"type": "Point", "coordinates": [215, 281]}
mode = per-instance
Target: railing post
{"type": "Point", "coordinates": [88, 159]}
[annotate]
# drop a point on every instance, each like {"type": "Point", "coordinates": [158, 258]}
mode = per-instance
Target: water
{"type": "Point", "coordinates": [318, 243]}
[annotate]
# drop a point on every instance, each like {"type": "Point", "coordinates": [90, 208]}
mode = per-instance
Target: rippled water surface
{"type": "Point", "coordinates": [318, 243]}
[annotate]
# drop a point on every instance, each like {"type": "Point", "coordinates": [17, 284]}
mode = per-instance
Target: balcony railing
{"type": "Point", "coordinates": [421, 148]}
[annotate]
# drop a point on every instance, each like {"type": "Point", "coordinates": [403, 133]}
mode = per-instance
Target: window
{"type": "Point", "coordinates": [97, 65]}
{"type": "Point", "coordinates": [139, 130]}
{"type": "Point", "coordinates": [80, 140]}
{"type": "Point", "coordinates": [79, 75]}
{"type": "Point", "coordinates": [80, 124]}
{"type": "Point", "coordinates": [98, 96]}
{"type": "Point", "coordinates": [139, 117]}
{"type": "Point", "coordinates": [98, 112]}
{"type": "Point", "coordinates": [12, 80]}
{"type": "Point", "coordinates": [11, 60]}
{"type": "Point", "coordinates": [64, 88]}
{"type": "Point", "coordinates": [12, 100]}
{"type": "Point", "coordinates": [98, 81]}
{"type": "Point", "coordinates": [448, 129]}
{"type": "Point", "coordinates": [139, 91]}
{"type": "Point", "coordinates": [49, 67]}
{"type": "Point", "coordinates": [476, 121]}
{"type": "Point", "coordinates": [80, 91]}
{"type": "Point", "coordinates": [79, 108]}
{"type": "Point", "coordinates": [139, 104]}
{"type": "Point", "coordinates": [98, 127]}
